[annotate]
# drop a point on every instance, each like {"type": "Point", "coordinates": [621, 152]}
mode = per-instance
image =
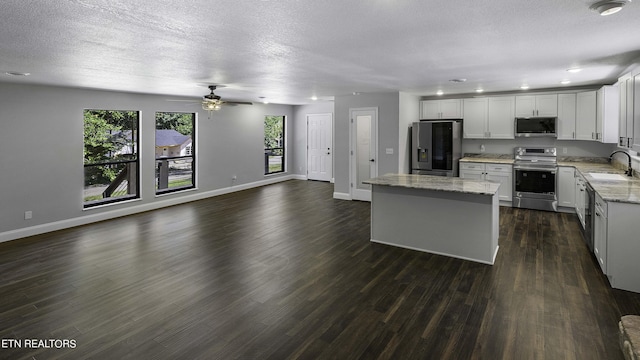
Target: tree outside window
{"type": "Point", "coordinates": [110, 156]}
{"type": "Point", "coordinates": [274, 144]}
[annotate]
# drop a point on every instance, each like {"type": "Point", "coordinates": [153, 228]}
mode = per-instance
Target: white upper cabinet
{"type": "Point", "coordinates": [607, 113]}
{"type": "Point", "coordinates": [501, 117]}
{"type": "Point", "coordinates": [635, 141]}
{"type": "Point", "coordinates": [629, 88]}
{"type": "Point", "coordinates": [489, 118]}
{"type": "Point", "coordinates": [586, 116]}
{"type": "Point", "coordinates": [475, 118]}
{"type": "Point", "coordinates": [536, 105]}
{"type": "Point", "coordinates": [566, 117]}
{"type": "Point", "coordinates": [590, 115]}
{"type": "Point", "coordinates": [441, 109]}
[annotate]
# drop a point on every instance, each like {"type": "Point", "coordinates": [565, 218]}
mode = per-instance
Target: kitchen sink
{"type": "Point", "coordinates": [604, 176]}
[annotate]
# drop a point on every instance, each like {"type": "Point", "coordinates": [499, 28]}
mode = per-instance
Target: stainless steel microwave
{"type": "Point", "coordinates": [536, 126]}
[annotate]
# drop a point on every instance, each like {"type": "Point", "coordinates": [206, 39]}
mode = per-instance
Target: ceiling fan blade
{"type": "Point", "coordinates": [184, 100]}
{"type": "Point", "coordinates": [237, 102]}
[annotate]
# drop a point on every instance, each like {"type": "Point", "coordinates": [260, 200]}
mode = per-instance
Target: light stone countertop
{"type": "Point", "coordinates": [626, 191]}
{"type": "Point", "coordinates": [437, 183]}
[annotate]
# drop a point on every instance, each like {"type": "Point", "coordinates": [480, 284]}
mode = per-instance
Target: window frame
{"type": "Point", "coordinates": [135, 153]}
{"type": "Point", "coordinates": [283, 147]}
{"type": "Point", "coordinates": [192, 155]}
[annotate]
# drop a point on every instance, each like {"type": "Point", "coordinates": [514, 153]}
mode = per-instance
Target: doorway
{"type": "Point", "coordinates": [363, 150]}
{"type": "Point", "coordinates": [320, 147]}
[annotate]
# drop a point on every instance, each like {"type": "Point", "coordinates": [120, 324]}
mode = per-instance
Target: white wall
{"type": "Point", "coordinates": [572, 147]}
{"type": "Point", "coordinates": [409, 113]}
{"type": "Point", "coordinates": [388, 110]}
{"type": "Point", "coordinates": [41, 146]}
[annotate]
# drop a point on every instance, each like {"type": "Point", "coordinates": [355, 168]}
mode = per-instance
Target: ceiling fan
{"type": "Point", "coordinates": [213, 102]}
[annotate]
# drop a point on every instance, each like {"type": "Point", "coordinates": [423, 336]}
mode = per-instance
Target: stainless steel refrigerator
{"type": "Point", "coordinates": [436, 147]}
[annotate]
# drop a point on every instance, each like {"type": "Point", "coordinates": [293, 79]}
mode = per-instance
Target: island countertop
{"type": "Point", "coordinates": [437, 183]}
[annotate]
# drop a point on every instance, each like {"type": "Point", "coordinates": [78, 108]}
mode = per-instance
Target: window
{"type": "Point", "coordinates": [175, 151]}
{"type": "Point", "coordinates": [110, 156]}
{"type": "Point", "coordinates": [274, 144]}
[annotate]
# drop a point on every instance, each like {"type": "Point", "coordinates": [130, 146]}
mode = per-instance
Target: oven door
{"type": "Point", "coordinates": [534, 182]}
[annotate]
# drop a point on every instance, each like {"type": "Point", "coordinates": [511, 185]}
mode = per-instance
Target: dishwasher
{"type": "Point", "coordinates": [589, 212]}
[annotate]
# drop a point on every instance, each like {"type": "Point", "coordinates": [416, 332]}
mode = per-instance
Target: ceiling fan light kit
{"type": "Point", "coordinates": [212, 102]}
{"type": "Point", "coordinates": [608, 7]}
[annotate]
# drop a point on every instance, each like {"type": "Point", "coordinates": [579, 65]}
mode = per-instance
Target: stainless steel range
{"type": "Point", "coordinates": [534, 178]}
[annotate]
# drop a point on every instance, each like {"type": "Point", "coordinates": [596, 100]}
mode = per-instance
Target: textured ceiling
{"type": "Point", "coordinates": [290, 50]}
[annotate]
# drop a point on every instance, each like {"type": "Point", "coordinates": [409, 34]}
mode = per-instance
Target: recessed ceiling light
{"type": "Point", "coordinates": [314, 98]}
{"type": "Point", "coordinates": [16, 73]}
{"type": "Point", "coordinates": [356, 93]}
{"type": "Point", "coordinates": [574, 70]}
{"type": "Point", "coordinates": [479, 90]}
{"type": "Point", "coordinates": [524, 87]}
{"type": "Point", "coordinates": [439, 92]}
{"type": "Point", "coordinates": [565, 82]}
{"type": "Point", "coordinates": [608, 7]}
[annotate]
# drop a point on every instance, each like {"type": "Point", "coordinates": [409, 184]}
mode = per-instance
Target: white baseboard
{"type": "Point", "coordinates": [341, 196]}
{"type": "Point", "coordinates": [299, 177]}
{"type": "Point", "coordinates": [158, 204]}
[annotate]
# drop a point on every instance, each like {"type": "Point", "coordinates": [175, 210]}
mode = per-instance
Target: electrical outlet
{"type": "Point", "coordinates": [482, 148]}
{"type": "Point", "coordinates": [234, 178]}
{"type": "Point", "coordinates": [564, 150]}
{"type": "Point", "coordinates": [28, 215]}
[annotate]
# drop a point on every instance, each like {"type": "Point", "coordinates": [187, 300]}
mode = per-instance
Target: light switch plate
{"type": "Point", "coordinates": [389, 151]}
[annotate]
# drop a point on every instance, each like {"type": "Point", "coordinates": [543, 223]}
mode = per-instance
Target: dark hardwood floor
{"type": "Point", "coordinates": [285, 271]}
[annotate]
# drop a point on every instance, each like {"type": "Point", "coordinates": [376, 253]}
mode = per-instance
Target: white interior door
{"type": "Point", "coordinates": [364, 150]}
{"type": "Point", "coordinates": [320, 147]}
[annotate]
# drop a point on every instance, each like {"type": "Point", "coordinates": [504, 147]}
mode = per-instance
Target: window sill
{"type": "Point", "coordinates": [111, 204]}
{"type": "Point", "coordinates": [176, 192]}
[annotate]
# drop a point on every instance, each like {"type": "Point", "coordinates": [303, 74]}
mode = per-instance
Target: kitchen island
{"type": "Point", "coordinates": [440, 215]}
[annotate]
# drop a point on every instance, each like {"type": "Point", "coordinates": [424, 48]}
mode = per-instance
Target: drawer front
{"type": "Point", "coordinates": [499, 167]}
{"type": "Point", "coordinates": [471, 166]}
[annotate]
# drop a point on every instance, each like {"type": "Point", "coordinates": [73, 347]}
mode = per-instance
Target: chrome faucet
{"type": "Point", "coordinates": [629, 171]}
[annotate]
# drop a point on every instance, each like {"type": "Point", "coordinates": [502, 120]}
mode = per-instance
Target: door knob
{"type": "Point", "coordinates": [372, 160]}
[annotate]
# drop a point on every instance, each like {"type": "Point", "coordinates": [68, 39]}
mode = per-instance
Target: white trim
{"type": "Point", "coordinates": [299, 177]}
{"type": "Point", "coordinates": [91, 218]}
{"type": "Point", "coordinates": [341, 196]}
{"type": "Point", "coordinates": [439, 253]}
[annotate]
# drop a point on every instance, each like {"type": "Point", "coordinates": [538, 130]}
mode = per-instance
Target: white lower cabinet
{"type": "Point", "coordinates": [600, 233]}
{"type": "Point", "coordinates": [502, 173]}
{"type": "Point", "coordinates": [566, 187]}
{"type": "Point", "coordinates": [622, 245]}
